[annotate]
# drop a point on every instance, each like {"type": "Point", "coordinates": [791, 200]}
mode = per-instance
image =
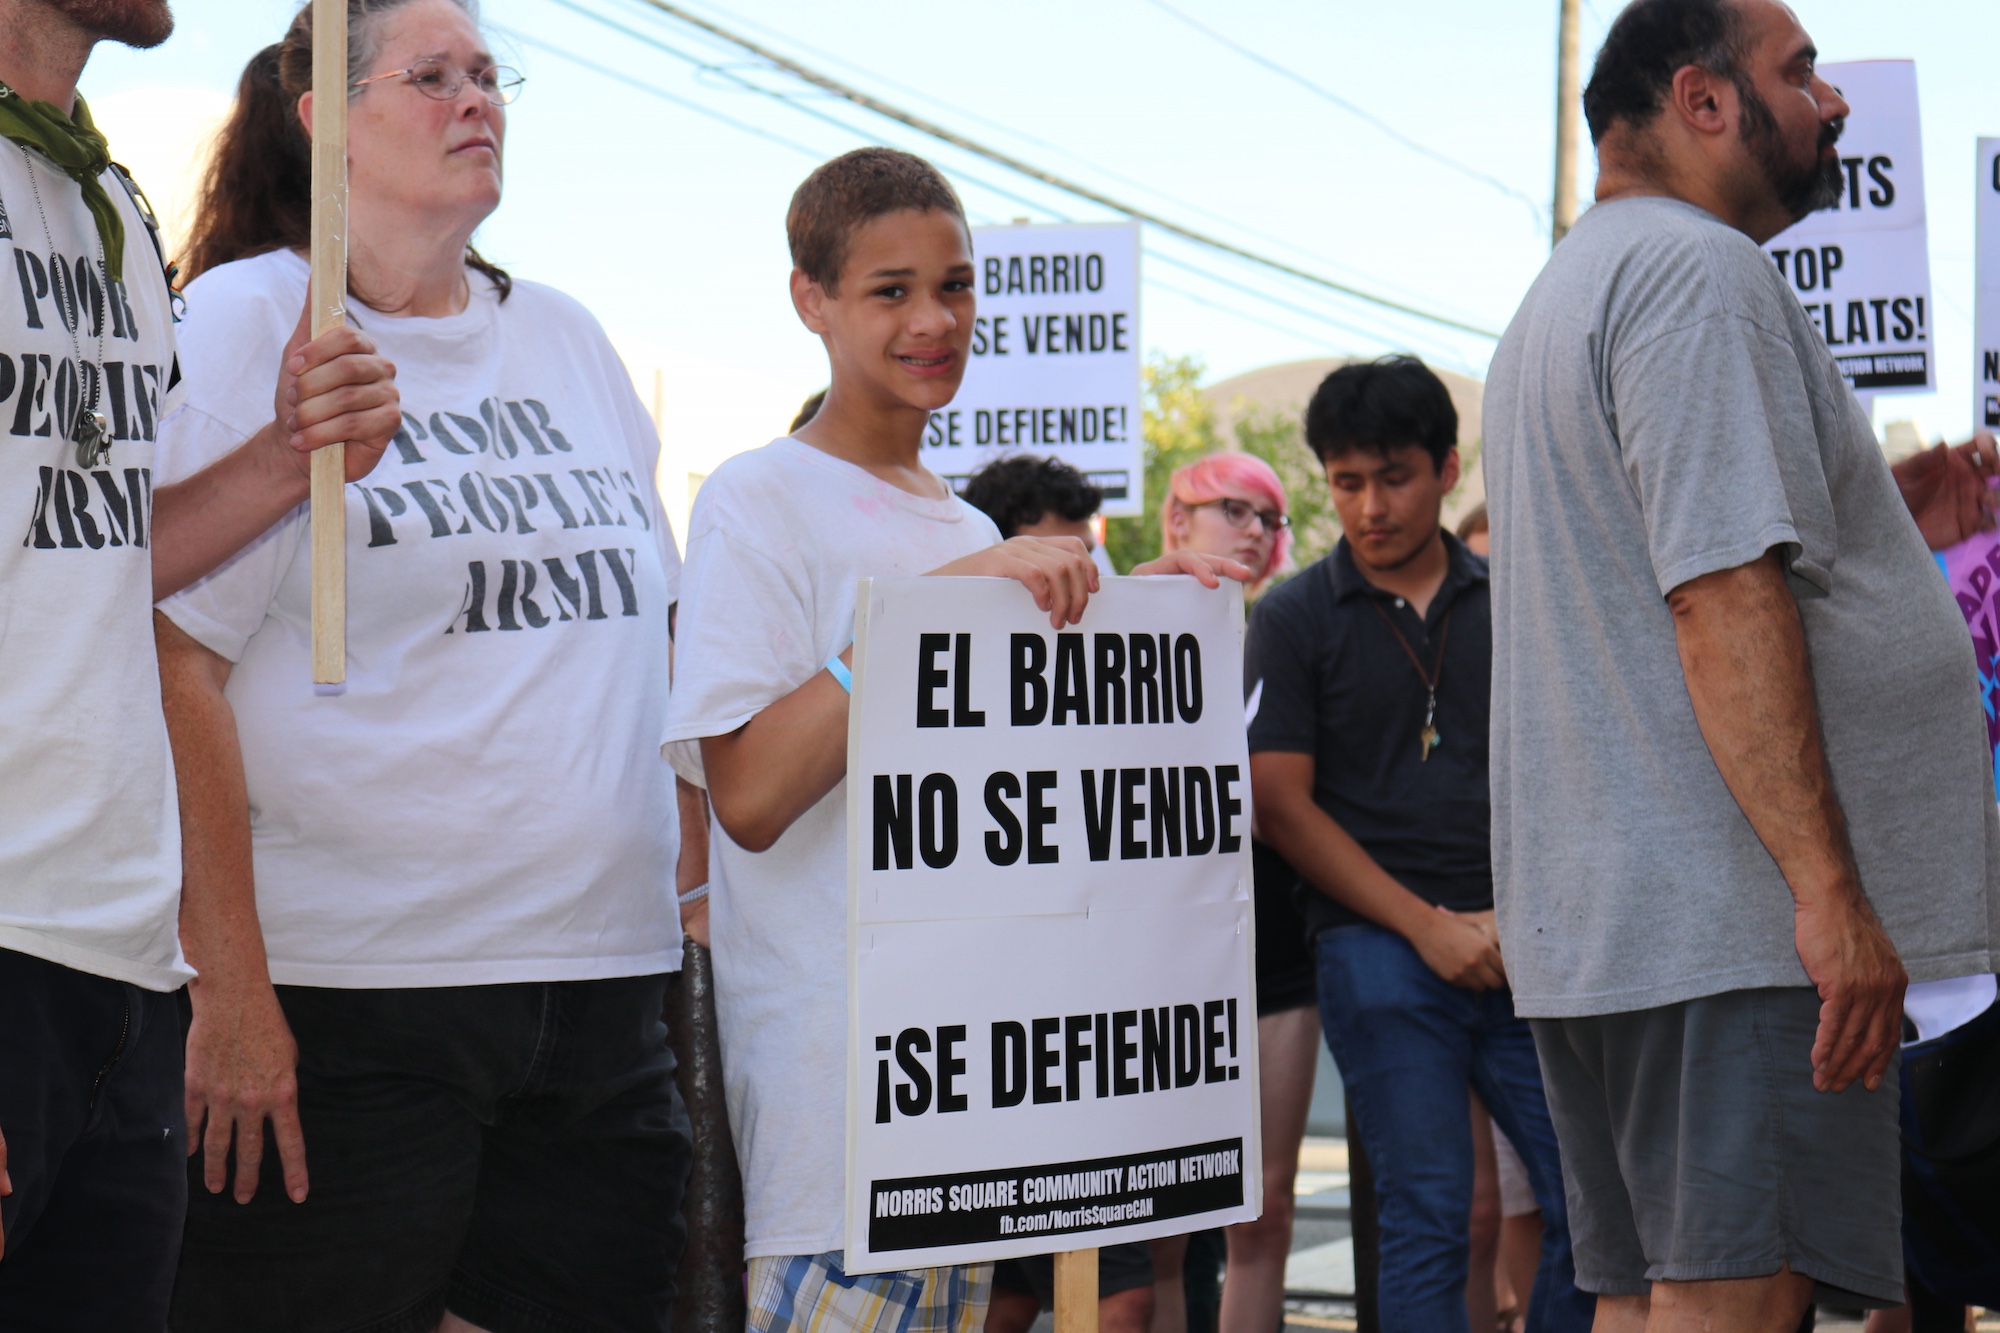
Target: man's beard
{"type": "Point", "coordinates": [1801, 187]}
{"type": "Point", "coordinates": [140, 23]}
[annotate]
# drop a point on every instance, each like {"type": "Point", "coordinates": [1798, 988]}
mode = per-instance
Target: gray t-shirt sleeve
{"type": "Point", "coordinates": [1716, 431]}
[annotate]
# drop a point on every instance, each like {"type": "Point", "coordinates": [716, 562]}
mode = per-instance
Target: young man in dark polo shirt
{"type": "Point", "coordinates": [1369, 677]}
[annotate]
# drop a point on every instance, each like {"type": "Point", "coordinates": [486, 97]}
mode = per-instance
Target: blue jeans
{"type": "Point", "coordinates": [1408, 1043]}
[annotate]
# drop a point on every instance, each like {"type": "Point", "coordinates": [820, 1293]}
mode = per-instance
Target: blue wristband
{"type": "Point", "coordinates": [838, 670]}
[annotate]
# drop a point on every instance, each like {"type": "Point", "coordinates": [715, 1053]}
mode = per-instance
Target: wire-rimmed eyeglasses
{"type": "Point", "coordinates": [441, 80]}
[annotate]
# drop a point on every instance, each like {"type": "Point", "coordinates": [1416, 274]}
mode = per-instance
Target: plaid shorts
{"type": "Point", "coordinates": [808, 1293]}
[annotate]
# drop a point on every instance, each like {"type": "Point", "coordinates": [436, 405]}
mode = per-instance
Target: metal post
{"type": "Point", "coordinates": [710, 1299]}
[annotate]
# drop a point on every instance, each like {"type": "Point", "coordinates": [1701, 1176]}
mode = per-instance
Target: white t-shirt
{"type": "Point", "coordinates": [777, 541]}
{"type": "Point", "coordinates": [482, 801]}
{"type": "Point", "coordinates": [90, 865]}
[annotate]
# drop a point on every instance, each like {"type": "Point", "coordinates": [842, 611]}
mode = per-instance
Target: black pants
{"type": "Point", "coordinates": [515, 1153]}
{"type": "Point", "coordinates": [90, 1104]}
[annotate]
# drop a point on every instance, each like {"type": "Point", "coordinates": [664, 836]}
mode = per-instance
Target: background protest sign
{"type": "Point", "coordinates": [1055, 358]}
{"type": "Point", "coordinates": [1051, 1013]}
{"type": "Point", "coordinates": [1972, 568]}
{"type": "Point", "coordinates": [1862, 268]}
{"type": "Point", "coordinates": [1986, 283]}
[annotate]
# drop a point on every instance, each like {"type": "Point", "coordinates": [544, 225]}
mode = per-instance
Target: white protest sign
{"type": "Point", "coordinates": [1986, 295]}
{"type": "Point", "coordinates": [1051, 1010]}
{"type": "Point", "coordinates": [1055, 358]}
{"type": "Point", "coordinates": [1862, 268]}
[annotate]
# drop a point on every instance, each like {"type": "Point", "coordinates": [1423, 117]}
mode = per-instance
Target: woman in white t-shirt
{"type": "Point", "coordinates": [463, 860]}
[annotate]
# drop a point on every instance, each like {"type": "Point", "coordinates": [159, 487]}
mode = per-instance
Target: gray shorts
{"type": "Point", "coordinates": [1695, 1149]}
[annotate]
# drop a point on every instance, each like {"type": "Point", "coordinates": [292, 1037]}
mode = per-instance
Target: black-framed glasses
{"type": "Point", "coordinates": [1238, 513]}
{"type": "Point", "coordinates": [441, 80]}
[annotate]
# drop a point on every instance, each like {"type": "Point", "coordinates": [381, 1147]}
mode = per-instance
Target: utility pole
{"type": "Point", "coordinates": [1569, 98]}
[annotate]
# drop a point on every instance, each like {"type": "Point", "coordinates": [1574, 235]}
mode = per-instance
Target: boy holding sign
{"type": "Point", "coordinates": [779, 537]}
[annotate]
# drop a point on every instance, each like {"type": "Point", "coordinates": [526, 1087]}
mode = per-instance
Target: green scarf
{"type": "Point", "coordinates": [76, 148]}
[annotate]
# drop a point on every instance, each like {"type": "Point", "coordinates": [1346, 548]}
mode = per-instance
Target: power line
{"type": "Point", "coordinates": [1207, 274]}
{"type": "Point", "coordinates": [1368, 335]}
{"type": "Point", "coordinates": [700, 64]}
{"type": "Point", "coordinates": [1237, 312]}
{"type": "Point", "coordinates": [775, 95]}
{"type": "Point", "coordinates": [817, 154]}
{"type": "Point", "coordinates": [1023, 136]}
{"type": "Point", "coordinates": [1015, 164]}
{"type": "Point", "coordinates": [1327, 95]}
{"type": "Point", "coordinates": [655, 91]}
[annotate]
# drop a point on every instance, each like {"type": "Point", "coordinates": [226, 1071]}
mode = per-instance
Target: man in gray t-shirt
{"type": "Point", "coordinates": [1740, 770]}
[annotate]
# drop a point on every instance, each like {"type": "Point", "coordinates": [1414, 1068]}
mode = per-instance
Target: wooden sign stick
{"type": "Point", "coordinates": [1076, 1291]}
{"type": "Point", "coordinates": [329, 311]}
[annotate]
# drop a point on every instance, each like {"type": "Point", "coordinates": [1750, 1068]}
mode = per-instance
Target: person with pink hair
{"type": "Point", "coordinates": [1230, 504]}
{"type": "Point", "coordinates": [1233, 504]}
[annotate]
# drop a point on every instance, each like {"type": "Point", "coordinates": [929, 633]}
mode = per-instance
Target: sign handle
{"type": "Point", "coordinates": [328, 507]}
{"type": "Point", "coordinates": [1076, 1291]}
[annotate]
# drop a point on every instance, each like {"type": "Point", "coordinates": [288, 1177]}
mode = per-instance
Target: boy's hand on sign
{"type": "Point", "coordinates": [242, 1068]}
{"type": "Point", "coordinates": [1057, 570]}
{"type": "Point", "coordinates": [1949, 490]}
{"type": "Point", "coordinates": [1209, 570]}
{"type": "Point", "coordinates": [1459, 950]}
{"type": "Point", "coordinates": [334, 389]}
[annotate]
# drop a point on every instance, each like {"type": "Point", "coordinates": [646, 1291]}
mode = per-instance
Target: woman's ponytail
{"type": "Point", "coordinates": [257, 193]}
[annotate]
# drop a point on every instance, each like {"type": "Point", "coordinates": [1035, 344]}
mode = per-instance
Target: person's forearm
{"type": "Point", "coordinates": [691, 871]}
{"type": "Point", "coordinates": [1334, 864]}
{"type": "Point", "coordinates": [779, 764]}
{"type": "Point", "coordinates": [220, 934]}
{"type": "Point", "coordinates": [1743, 652]}
{"type": "Point", "coordinates": [201, 521]}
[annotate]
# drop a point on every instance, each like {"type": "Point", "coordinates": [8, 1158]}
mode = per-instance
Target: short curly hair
{"type": "Point", "coordinates": [853, 189]}
{"type": "Point", "coordinates": [1019, 490]}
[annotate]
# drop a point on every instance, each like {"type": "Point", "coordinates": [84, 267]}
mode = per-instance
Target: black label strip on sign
{"type": "Point", "coordinates": [1886, 370]}
{"type": "Point", "coordinates": [1059, 1198]}
{"type": "Point", "coordinates": [1115, 485]}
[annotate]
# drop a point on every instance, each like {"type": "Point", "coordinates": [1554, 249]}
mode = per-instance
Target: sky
{"type": "Point", "coordinates": [652, 185]}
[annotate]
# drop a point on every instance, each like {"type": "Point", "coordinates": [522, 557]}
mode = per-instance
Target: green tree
{"type": "Point", "coordinates": [1276, 437]}
{"type": "Point", "coordinates": [1179, 427]}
